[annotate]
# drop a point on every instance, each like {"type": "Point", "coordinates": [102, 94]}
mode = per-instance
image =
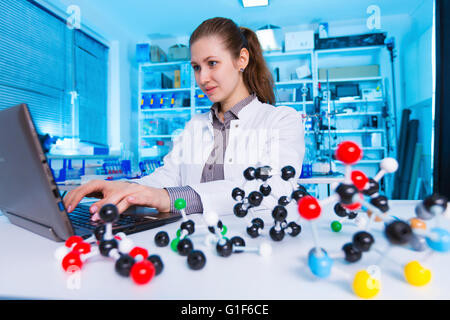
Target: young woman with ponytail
{"type": "Point", "coordinates": [242, 129]}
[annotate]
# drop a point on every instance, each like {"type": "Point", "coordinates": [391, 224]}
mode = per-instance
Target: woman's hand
{"type": "Point", "coordinates": [120, 193]}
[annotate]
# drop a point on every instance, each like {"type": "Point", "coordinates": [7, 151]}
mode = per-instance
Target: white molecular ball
{"type": "Point", "coordinates": [446, 213]}
{"type": "Point", "coordinates": [125, 245]}
{"type": "Point", "coordinates": [211, 218]}
{"type": "Point", "coordinates": [361, 221]}
{"type": "Point", "coordinates": [210, 240]}
{"type": "Point", "coordinates": [265, 249]}
{"type": "Point", "coordinates": [60, 253]}
{"type": "Point", "coordinates": [389, 165]}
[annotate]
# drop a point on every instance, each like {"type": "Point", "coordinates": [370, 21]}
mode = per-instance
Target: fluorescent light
{"type": "Point", "coordinates": [255, 3]}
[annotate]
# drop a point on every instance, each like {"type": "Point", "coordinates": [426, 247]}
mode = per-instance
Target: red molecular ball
{"type": "Point", "coordinates": [142, 272]}
{"type": "Point", "coordinates": [348, 152]}
{"type": "Point", "coordinates": [82, 247]}
{"type": "Point", "coordinates": [72, 262]}
{"type": "Point", "coordinates": [359, 179]}
{"type": "Point", "coordinates": [73, 240]}
{"type": "Point", "coordinates": [139, 251]}
{"type": "Point", "coordinates": [309, 208]}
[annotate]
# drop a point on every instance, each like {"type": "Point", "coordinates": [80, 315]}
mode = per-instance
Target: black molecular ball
{"type": "Point", "coordinates": [258, 222]}
{"type": "Point", "coordinates": [255, 198]}
{"type": "Point", "coordinates": [124, 264]}
{"type": "Point", "coordinates": [371, 188]}
{"type": "Point", "coordinates": [224, 249]}
{"type": "Point", "coordinates": [99, 232]}
{"type": "Point", "coordinates": [253, 231]}
{"type": "Point", "coordinates": [398, 232]}
{"type": "Point", "coordinates": [283, 201]}
{"type": "Point", "coordinates": [157, 263]}
{"type": "Point", "coordinates": [185, 246]}
{"type": "Point", "coordinates": [381, 202]}
{"type": "Point", "coordinates": [109, 213]}
{"type": "Point", "coordinates": [238, 194]}
{"type": "Point", "coordinates": [106, 246]}
{"type": "Point", "coordinates": [276, 235]}
{"type": "Point", "coordinates": [188, 226]}
{"type": "Point", "coordinates": [196, 260]}
{"type": "Point", "coordinates": [346, 193]}
{"type": "Point", "coordinates": [279, 213]}
{"type": "Point", "coordinates": [237, 242]}
{"type": "Point", "coordinates": [249, 173]}
{"type": "Point", "coordinates": [363, 240]}
{"type": "Point", "coordinates": [287, 173]}
{"type": "Point", "coordinates": [265, 190]}
{"type": "Point", "coordinates": [239, 210]}
{"type": "Point", "coordinates": [295, 229]}
{"type": "Point", "coordinates": [351, 253]}
{"type": "Point", "coordinates": [162, 239]}
{"type": "Point", "coordinates": [340, 210]}
{"type": "Point", "coordinates": [263, 173]}
{"type": "Point", "coordinates": [435, 200]}
{"type": "Point", "coordinates": [298, 194]}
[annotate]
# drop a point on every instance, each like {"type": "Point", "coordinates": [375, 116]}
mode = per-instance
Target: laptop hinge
{"type": "Point", "coordinates": [33, 226]}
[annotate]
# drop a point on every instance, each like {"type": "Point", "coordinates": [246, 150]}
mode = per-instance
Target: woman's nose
{"type": "Point", "coordinates": [203, 77]}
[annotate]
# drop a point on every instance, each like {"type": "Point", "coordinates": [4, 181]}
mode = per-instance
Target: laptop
{"type": "Point", "coordinates": [30, 198]}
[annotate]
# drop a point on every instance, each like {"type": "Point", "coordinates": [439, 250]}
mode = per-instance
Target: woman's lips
{"type": "Point", "coordinates": [210, 90]}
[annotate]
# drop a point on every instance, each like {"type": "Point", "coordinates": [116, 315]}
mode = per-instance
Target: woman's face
{"type": "Point", "coordinates": [216, 72]}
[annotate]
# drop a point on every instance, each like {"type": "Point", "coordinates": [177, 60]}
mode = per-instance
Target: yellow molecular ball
{"type": "Point", "coordinates": [365, 286]}
{"type": "Point", "coordinates": [417, 275]}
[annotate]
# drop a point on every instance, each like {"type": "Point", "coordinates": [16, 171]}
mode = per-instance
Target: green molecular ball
{"type": "Point", "coordinates": [224, 230]}
{"type": "Point", "coordinates": [336, 226]}
{"type": "Point", "coordinates": [180, 203]}
{"type": "Point", "coordinates": [174, 244]}
{"type": "Point", "coordinates": [178, 233]}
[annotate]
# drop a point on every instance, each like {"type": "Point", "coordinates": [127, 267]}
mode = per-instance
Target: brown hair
{"type": "Point", "coordinates": [257, 77]}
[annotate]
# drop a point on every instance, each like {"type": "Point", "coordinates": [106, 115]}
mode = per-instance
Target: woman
{"type": "Point", "coordinates": [242, 129]}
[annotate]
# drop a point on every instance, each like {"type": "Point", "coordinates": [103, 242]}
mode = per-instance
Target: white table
{"type": "Point", "coordinates": [29, 270]}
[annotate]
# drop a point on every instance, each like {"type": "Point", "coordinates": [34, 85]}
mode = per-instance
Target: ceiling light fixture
{"type": "Point", "coordinates": [255, 3]}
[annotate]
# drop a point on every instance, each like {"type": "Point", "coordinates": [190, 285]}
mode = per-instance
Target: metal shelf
{"type": "Point", "coordinates": [181, 109]}
{"type": "Point", "coordinates": [292, 82]}
{"type": "Point", "coordinates": [352, 79]}
{"type": "Point", "coordinates": [166, 90]}
{"type": "Point", "coordinates": [353, 49]}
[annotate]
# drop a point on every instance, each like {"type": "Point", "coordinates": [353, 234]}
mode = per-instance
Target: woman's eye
{"type": "Point", "coordinates": [196, 68]}
{"type": "Point", "coordinates": [212, 63]}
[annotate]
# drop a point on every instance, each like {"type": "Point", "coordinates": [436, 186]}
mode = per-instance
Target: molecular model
{"type": "Point", "coordinates": [129, 260]}
{"type": "Point", "coordinates": [196, 259]}
{"type": "Point", "coordinates": [246, 204]}
{"type": "Point", "coordinates": [349, 195]}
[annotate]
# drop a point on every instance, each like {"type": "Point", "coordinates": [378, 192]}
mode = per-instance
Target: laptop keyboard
{"type": "Point", "coordinates": [81, 217]}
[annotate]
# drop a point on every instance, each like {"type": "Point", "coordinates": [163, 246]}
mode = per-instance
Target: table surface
{"type": "Point", "coordinates": [29, 269]}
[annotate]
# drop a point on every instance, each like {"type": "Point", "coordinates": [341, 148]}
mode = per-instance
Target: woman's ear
{"type": "Point", "coordinates": [243, 59]}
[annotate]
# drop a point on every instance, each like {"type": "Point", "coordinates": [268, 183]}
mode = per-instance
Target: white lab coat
{"type": "Point", "coordinates": [263, 135]}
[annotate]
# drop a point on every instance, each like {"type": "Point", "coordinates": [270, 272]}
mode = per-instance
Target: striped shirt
{"type": "Point", "coordinates": [213, 169]}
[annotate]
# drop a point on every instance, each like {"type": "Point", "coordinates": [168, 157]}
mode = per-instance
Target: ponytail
{"type": "Point", "coordinates": [257, 77]}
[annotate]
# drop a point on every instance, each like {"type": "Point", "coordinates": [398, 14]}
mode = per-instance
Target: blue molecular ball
{"type": "Point", "coordinates": [319, 263]}
{"type": "Point", "coordinates": [439, 240]}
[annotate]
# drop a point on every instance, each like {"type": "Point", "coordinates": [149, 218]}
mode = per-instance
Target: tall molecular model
{"type": "Point", "coordinates": [129, 260]}
{"type": "Point", "coordinates": [246, 203]}
{"type": "Point", "coordinates": [196, 259]}
{"type": "Point", "coordinates": [349, 195]}
{"type": "Point", "coordinates": [182, 244]}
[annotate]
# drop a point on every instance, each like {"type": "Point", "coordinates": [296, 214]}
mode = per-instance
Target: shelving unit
{"type": "Point", "coordinates": [289, 93]}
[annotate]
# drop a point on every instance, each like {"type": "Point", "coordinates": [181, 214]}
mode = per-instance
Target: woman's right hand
{"type": "Point", "coordinates": [120, 193]}
{"type": "Point", "coordinates": [93, 189]}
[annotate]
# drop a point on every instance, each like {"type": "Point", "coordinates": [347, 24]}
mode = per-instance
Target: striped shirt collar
{"type": "Point", "coordinates": [233, 113]}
